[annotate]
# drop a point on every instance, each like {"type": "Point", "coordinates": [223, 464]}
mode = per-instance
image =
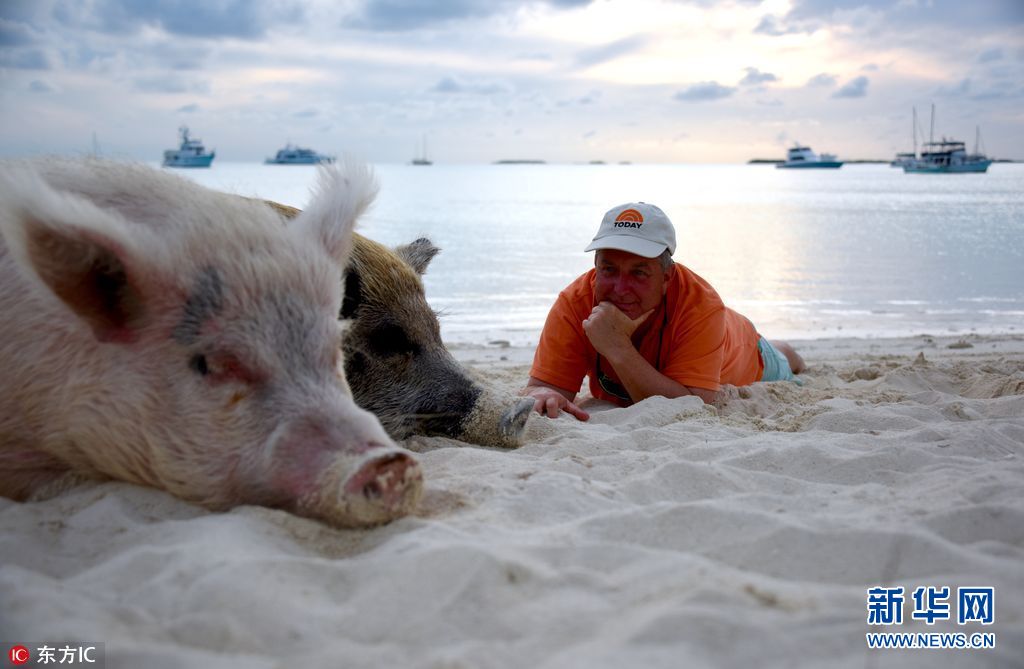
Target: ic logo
{"type": "Point", "coordinates": [19, 655]}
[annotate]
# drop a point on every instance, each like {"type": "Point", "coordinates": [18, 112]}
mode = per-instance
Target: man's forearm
{"type": "Point", "coordinates": [641, 380]}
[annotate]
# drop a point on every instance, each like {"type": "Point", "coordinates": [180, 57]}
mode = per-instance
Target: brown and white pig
{"type": "Point", "coordinates": [161, 333]}
{"type": "Point", "coordinates": [395, 361]}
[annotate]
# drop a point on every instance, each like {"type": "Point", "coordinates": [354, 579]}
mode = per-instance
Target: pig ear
{"type": "Point", "coordinates": [283, 209]}
{"type": "Point", "coordinates": [81, 254]}
{"type": "Point", "coordinates": [353, 294]}
{"type": "Point", "coordinates": [342, 194]}
{"type": "Point", "coordinates": [418, 254]}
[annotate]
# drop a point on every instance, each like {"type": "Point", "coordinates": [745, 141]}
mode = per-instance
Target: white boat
{"type": "Point", "coordinates": [191, 153]}
{"type": "Point", "coordinates": [947, 156]}
{"type": "Point", "coordinates": [909, 157]}
{"type": "Point", "coordinates": [296, 155]}
{"type": "Point", "coordinates": [801, 157]}
{"type": "Point", "coordinates": [903, 159]}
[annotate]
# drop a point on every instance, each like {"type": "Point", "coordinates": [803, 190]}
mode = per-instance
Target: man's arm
{"type": "Point", "coordinates": [609, 330]}
{"type": "Point", "coordinates": [551, 400]}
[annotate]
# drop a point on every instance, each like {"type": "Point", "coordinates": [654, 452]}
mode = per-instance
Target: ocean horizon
{"type": "Point", "coordinates": [863, 251]}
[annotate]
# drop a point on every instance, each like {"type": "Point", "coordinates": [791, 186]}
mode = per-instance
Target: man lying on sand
{"type": "Point", "coordinates": [639, 325]}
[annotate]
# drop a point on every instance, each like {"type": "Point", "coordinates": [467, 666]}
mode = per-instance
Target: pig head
{"type": "Point", "coordinates": [395, 360]}
{"type": "Point", "coordinates": [161, 333]}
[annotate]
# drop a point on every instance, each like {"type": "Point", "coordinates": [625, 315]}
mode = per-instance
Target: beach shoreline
{"type": "Point", "coordinates": [665, 533]}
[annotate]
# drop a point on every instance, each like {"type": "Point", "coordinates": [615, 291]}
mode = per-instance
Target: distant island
{"type": "Point", "coordinates": [519, 162]}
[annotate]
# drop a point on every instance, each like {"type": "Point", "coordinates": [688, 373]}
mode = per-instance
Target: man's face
{"type": "Point", "coordinates": [632, 283]}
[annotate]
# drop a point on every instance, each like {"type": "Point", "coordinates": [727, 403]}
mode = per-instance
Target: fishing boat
{"type": "Point", "coordinates": [947, 156]}
{"type": "Point", "coordinates": [191, 153]}
{"type": "Point", "coordinates": [296, 155]}
{"type": "Point", "coordinates": [801, 157]}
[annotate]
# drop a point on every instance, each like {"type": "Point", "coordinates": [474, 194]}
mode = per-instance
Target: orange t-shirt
{"type": "Point", "coordinates": [694, 339]}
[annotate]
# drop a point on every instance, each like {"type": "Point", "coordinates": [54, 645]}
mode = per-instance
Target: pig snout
{"type": "Point", "coordinates": [323, 470]}
{"type": "Point", "coordinates": [498, 419]}
{"type": "Point", "coordinates": [389, 484]}
{"type": "Point", "coordinates": [512, 422]}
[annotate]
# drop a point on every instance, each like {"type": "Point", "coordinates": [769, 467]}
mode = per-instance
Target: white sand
{"type": "Point", "coordinates": [667, 534]}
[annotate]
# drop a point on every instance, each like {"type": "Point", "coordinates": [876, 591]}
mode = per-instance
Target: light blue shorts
{"type": "Point", "coordinates": [776, 365]}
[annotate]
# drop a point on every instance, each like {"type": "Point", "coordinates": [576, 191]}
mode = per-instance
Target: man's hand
{"type": "Point", "coordinates": [551, 402]}
{"type": "Point", "coordinates": [609, 330]}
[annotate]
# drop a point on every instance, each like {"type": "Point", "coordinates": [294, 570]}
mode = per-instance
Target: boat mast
{"type": "Point", "coordinates": [931, 128]}
{"type": "Point", "coordinates": [913, 131]}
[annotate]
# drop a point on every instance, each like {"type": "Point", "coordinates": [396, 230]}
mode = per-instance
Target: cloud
{"type": "Point", "coordinates": [822, 81]}
{"type": "Point", "coordinates": [305, 113]}
{"type": "Point", "coordinates": [959, 90]}
{"type": "Point", "coordinates": [188, 109]}
{"type": "Point", "coordinates": [772, 25]}
{"type": "Point", "coordinates": [704, 91]}
{"type": "Point", "coordinates": [169, 84]}
{"type": "Point", "coordinates": [990, 55]}
{"type": "Point", "coordinates": [756, 77]}
{"type": "Point", "coordinates": [37, 86]}
{"type": "Point", "coordinates": [450, 84]}
{"type": "Point", "coordinates": [605, 52]}
{"type": "Point", "coordinates": [15, 33]}
{"type": "Point", "coordinates": [177, 56]}
{"type": "Point", "coordinates": [855, 88]}
{"type": "Point", "coordinates": [593, 97]}
{"type": "Point", "coordinates": [404, 15]}
{"type": "Point", "coordinates": [243, 19]}
{"type": "Point", "coordinates": [24, 59]}
{"type": "Point", "coordinates": [870, 67]}
{"type": "Point", "coordinates": [894, 17]}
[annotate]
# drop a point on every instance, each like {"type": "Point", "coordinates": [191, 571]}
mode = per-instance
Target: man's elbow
{"type": "Point", "coordinates": [709, 396]}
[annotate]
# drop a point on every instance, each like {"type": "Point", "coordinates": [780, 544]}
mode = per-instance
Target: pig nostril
{"type": "Point", "coordinates": [372, 490]}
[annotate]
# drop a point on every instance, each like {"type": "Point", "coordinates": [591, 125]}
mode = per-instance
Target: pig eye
{"type": "Point", "coordinates": [199, 365]}
{"type": "Point", "coordinates": [222, 367]}
{"type": "Point", "coordinates": [392, 340]}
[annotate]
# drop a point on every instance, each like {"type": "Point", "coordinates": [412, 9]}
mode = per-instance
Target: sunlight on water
{"type": "Point", "coordinates": [861, 251]}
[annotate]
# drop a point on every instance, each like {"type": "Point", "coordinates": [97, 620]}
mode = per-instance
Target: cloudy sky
{"type": "Point", "coordinates": [481, 80]}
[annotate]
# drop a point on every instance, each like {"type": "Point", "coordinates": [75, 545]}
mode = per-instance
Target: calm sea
{"type": "Point", "coordinates": [865, 250]}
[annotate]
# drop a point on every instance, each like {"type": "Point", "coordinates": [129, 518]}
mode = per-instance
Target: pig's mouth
{"type": "Point", "coordinates": [448, 424]}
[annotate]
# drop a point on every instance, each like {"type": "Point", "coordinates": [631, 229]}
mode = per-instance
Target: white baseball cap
{"type": "Point", "coordinates": [636, 227]}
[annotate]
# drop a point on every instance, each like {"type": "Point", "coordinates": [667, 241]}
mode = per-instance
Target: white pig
{"type": "Point", "coordinates": [158, 332]}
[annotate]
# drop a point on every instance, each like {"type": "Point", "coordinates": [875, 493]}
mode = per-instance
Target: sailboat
{"type": "Point", "coordinates": [421, 158]}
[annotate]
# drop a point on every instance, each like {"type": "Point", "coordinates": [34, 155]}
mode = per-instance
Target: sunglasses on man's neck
{"type": "Point", "coordinates": [609, 386]}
